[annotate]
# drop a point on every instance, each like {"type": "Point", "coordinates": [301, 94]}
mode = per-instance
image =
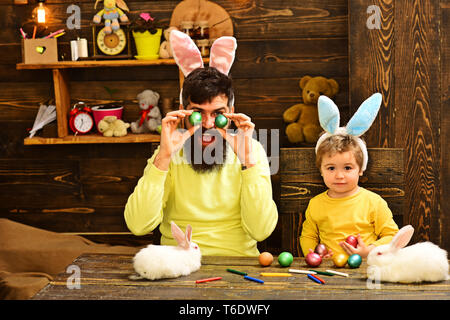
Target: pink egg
{"type": "Point", "coordinates": [321, 249]}
{"type": "Point", "coordinates": [313, 259]}
{"type": "Point", "coordinates": [351, 240]}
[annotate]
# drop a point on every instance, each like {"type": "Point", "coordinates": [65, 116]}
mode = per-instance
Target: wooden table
{"type": "Point", "coordinates": [105, 276]}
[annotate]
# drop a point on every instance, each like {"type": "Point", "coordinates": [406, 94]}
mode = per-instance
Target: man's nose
{"type": "Point", "coordinates": [208, 121]}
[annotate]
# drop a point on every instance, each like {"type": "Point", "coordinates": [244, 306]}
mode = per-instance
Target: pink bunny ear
{"type": "Point", "coordinates": [188, 234]}
{"type": "Point", "coordinates": [185, 52]}
{"type": "Point", "coordinates": [222, 54]}
{"type": "Point", "coordinates": [178, 235]}
{"type": "Point", "coordinates": [402, 237]}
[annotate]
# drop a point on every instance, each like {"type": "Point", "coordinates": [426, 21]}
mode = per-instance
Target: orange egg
{"type": "Point", "coordinates": [265, 259]}
{"type": "Point", "coordinates": [340, 259]}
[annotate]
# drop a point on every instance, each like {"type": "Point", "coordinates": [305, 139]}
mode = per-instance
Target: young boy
{"type": "Point", "coordinates": [345, 208]}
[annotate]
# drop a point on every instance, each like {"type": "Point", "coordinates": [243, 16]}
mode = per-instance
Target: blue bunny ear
{"type": "Point", "coordinates": [365, 115]}
{"type": "Point", "coordinates": [328, 114]}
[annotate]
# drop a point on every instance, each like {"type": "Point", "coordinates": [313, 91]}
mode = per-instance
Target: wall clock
{"type": "Point", "coordinates": [113, 43]}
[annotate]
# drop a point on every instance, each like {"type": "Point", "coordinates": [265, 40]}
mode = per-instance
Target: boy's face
{"type": "Point", "coordinates": [341, 174]}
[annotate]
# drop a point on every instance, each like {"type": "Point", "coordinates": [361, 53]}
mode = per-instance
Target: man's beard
{"type": "Point", "coordinates": [205, 159]}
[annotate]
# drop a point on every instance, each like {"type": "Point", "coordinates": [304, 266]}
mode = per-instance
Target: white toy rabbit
{"type": "Point", "coordinates": [159, 261]}
{"type": "Point", "coordinates": [422, 261]}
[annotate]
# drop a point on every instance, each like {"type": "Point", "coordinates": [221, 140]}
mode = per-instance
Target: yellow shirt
{"type": "Point", "coordinates": [229, 210]}
{"type": "Point", "coordinates": [332, 220]}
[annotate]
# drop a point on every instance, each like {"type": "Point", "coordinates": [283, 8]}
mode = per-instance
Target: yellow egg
{"type": "Point", "coordinates": [265, 259]}
{"type": "Point", "coordinates": [340, 260]}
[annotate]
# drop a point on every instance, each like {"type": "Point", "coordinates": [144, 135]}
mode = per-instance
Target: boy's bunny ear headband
{"type": "Point", "coordinates": [188, 57]}
{"type": "Point", "coordinates": [358, 124]}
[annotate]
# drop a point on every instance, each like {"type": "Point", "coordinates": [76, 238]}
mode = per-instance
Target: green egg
{"type": "Point", "coordinates": [354, 261]}
{"type": "Point", "coordinates": [285, 259]}
{"type": "Point", "coordinates": [195, 118]}
{"type": "Point", "coordinates": [221, 121]}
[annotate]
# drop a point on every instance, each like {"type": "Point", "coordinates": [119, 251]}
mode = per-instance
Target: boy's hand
{"type": "Point", "coordinates": [360, 249]}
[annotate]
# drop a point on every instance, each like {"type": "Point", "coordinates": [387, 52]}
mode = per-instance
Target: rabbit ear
{"type": "Point", "coordinates": [402, 237]}
{"type": "Point", "coordinates": [188, 234]}
{"type": "Point", "coordinates": [365, 115]}
{"type": "Point", "coordinates": [122, 5]}
{"type": "Point", "coordinates": [328, 114]}
{"type": "Point", "coordinates": [185, 52]}
{"type": "Point", "coordinates": [178, 235]}
{"type": "Point", "coordinates": [222, 54]}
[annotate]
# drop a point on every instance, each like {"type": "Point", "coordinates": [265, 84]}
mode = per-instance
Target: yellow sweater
{"type": "Point", "coordinates": [332, 220]}
{"type": "Point", "coordinates": [229, 210]}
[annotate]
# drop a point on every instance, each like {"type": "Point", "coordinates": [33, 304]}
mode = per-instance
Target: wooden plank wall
{"type": "Point", "coordinates": [402, 59]}
{"type": "Point", "coordinates": [83, 188]}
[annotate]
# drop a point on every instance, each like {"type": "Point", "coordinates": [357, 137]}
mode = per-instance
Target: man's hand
{"type": "Point", "coordinates": [241, 142]}
{"type": "Point", "coordinates": [172, 139]}
{"type": "Point", "coordinates": [360, 249]}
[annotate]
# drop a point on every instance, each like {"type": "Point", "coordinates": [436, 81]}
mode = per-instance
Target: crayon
{"type": "Point", "coordinates": [59, 35]}
{"type": "Point", "coordinates": [325, 273]}
{"type": "Point", "coordinates": [313, 278]}
{"type": "Point", "coordinates": [54, 33]}
{"type": "Point", "coordinates": [237, 272]}
{"type": "Point", "coordinates": [253, 279]}
{"type": "Point", "coordinates": [34, 32]}
{"type": "Point", "coordinates": [24, 35]}
{"type": "Point", "coordinates": [302, 271]}
{"type": "Point", "coordinates": [275, 274]}
{"type": "Point", "coordinates": [208, 279]}
{"type": "Point", "coordinates": [338, 273]}
{"type": "Point", "coordinates": [312, 275]}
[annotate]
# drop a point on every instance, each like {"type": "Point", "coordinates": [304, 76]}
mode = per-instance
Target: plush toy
{"type": "Point", "coordinates": [165, 51]}
{"type": "Point", "coordinates": [150, 117]}
{"type": "Point", "coordinates": [111, 13]}
{"type": "Point", "coordinates": [303, 118]}
{"type": "Point", "coordinates": [111, 126]}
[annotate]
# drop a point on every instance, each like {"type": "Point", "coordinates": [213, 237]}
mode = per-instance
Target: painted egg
{"type": "Point", "coordinates": [340, 260]}
{"type": "Point", "coordinates": [321, 249]}
{"type": "Point", "coordinates": [313, 259]}
{"type": "Point", "coordinates": [221, 121]}
{"type": "Point", "coordinates": [285, 259]}
{"type": "Point", "coordinates": [351, 240]}
{"type": "Point", "coordinates": [354, 261]}
{"type": "Point", "coordinates": [195, 118]}
{"type": "Point", "coordinates": [265, 259]}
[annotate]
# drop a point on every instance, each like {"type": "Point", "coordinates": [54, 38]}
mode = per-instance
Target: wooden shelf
{"type": "Point", "coordinates": [94, 138]}
{"type": "Point", "coordinates": [62, 99]}
{"type": "Point", "coordinates": [95, 64]}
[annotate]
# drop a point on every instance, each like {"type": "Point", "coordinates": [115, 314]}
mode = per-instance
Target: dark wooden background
{"type": "Point", "coordinates": [83, 188]}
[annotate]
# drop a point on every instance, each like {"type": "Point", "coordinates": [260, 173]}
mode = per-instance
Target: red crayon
{"type": "Point", "coordinates": [315, 276]}
{"type": "Point", "coordinates": [208, 279]}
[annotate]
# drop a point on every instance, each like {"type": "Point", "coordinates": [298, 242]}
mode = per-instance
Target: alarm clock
{"type": "Point", "coordinates": [81, 120]}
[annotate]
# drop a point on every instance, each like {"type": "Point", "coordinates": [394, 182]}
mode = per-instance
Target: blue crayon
{"type": "Point", "coordinates": [314, 279]}
{"type": "Point", "coordinates": [253, 279]}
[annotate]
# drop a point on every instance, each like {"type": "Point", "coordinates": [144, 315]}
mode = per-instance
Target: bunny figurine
{"type": "Point", "coordinates": [159, 261]}
{"type": "Point", "coordinates": [111, 13]}
{"type": "Point", "coordinates": [423, 261]}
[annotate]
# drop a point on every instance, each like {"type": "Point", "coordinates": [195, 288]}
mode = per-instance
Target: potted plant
{"type": "Point", "coordinates": [147, 36]}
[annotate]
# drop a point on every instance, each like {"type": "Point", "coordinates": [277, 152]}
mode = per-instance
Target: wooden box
{"type": "Point", "coordinates": [39, 50]}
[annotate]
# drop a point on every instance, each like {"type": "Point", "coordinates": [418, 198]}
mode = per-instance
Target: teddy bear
{"type": "Point", "coordinates": [165, 51]}
{"type": "Point", "coordinates": [150, 117]}
{"type": "Point", "coordinates": [303, 118]}
{"type": "Point", "coordinates": [111, 126]}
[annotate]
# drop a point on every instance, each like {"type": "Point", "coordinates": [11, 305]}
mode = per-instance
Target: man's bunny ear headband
{"type": "Point", "coordinates": [188, 57]}
{"type": "Point", "coordinates": [358, 124]}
